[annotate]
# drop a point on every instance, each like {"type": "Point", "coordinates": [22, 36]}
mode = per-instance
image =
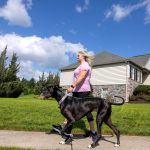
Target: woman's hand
{"type": "Point", "coordinates": [70, 90]}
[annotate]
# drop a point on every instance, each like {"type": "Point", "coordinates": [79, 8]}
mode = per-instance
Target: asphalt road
{"type": "Point", "coordinates": [42, 140]}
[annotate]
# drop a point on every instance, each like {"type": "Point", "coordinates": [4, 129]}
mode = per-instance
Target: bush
{"type": "Point", "coordinates": [11, 89]}
{"type": "Point", "coordinates": [140, 98]}
{"type": "Point", "coordinates": [142, 89]}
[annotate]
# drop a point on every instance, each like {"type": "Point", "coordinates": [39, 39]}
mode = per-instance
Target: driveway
{"type": "Point", "coordinates": [42, 140]}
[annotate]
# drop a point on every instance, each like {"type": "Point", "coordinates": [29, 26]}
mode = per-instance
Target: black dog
{"type": "Point", "coordinates": [74, 109]}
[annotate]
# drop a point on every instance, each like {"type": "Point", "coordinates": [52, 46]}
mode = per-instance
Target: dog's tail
{"type": "Point", "coordinates": [118, 100]}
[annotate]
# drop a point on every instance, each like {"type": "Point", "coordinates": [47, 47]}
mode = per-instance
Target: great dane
{"type": "Point", "coordinates": [73, 109]}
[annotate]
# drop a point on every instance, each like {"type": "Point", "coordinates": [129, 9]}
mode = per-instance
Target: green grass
{"type": "Point", "coordinates": [31, 114]}
{"type": "Point", "coordinates": [16, 148]}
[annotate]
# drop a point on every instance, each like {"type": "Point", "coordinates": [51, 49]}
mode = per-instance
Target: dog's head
{"type": "Point", "coordinates": [49, 91]}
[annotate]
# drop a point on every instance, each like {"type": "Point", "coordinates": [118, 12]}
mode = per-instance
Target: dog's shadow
{"type": "Point", "coordinates": [81, 124]}
{"type": "Point", "coordinates": [103, 138]}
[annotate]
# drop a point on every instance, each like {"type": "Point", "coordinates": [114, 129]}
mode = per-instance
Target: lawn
{"type": "Point", "coordinates": [31, 114]}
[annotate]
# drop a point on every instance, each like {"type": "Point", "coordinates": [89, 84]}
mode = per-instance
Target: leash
{"type": "Point", "coordinates": [64, 97]}
{"type": "Point", "coordinates": [71, 145]}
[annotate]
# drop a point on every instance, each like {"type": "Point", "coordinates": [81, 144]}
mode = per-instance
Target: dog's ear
{"type": "Point", "coordinates": [51, 86]}
{"type": "Point", "coordinates": [54, 86]}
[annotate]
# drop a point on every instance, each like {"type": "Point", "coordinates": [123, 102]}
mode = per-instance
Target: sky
{"type": "Point", "coordinates": [47, 34]}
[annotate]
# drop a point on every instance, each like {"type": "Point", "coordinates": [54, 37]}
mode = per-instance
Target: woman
{"type": "Point", "coordinates": [81, 86]}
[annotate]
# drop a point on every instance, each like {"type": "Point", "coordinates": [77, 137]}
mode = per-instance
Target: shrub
{"type": "Point", "coordinates": [11, 89]}
{"type": "Point", "coordinates": [142, 89]}
{"type": "Point", "coordinates": [140, 98]}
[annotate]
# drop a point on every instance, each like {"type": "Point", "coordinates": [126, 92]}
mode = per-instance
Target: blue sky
{"type": "Point", "coordinates": [47, 34]}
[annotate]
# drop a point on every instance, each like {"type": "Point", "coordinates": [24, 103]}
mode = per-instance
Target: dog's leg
{"type": "Point", "coordinates": [109, 123]}
{"type": "Point", "coordinates": [99, 120]}
{"type": "Point", "coordinates": [68, 137]}
{"type": "Point", "coordinates": [70, 121]}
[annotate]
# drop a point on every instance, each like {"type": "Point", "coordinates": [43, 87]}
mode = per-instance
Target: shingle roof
{"type": "Point", "coordinates": [100, 59]}
{"type": "Point", "coordinates": [69, 67]}
{"type": "Point", "coordinates": [141, 60]}
{"type": "Point", "coordinates": [105, 58]}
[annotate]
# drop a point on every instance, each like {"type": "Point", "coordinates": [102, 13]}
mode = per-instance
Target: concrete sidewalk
{"type": "Point", "coordinates": [42, 140]}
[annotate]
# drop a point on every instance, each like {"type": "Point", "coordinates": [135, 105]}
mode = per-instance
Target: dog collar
{"type": "Point", "coordinates": [64, 97]}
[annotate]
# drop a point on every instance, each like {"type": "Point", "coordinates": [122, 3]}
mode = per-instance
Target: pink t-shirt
{"type": "Point", "coordinates": [84, 86]}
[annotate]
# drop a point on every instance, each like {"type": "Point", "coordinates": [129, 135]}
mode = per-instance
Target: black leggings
{"type": "Point", "coordinates": [82, 95]}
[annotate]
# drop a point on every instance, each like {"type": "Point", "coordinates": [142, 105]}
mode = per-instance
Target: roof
{"type": "Point", "coordinates": [141, 60]}
{"type": "Point", "coordinates": [105, 58]}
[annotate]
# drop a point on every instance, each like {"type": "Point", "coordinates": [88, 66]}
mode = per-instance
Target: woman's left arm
{"type": "Point", "coordinates": [80, 78]}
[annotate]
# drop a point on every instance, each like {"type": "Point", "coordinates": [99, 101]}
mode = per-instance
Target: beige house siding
{"type": "Point", "coordinates": [110, 74]}
{"type": "Point", "coordinates": [146, 79]}
{"type": "Point", "coordinates": [66, 78]}
{"type": "Point", "coordinates": [148, 65]}
{"type": "Point", "coordinates": [102, 75]}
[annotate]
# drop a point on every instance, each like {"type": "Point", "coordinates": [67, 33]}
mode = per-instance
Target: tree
{"type": "Point", "coordinates": [3, 68]}
{"type": "Point", "coordinates": [56, 79]}
{"type": "Point", "coordinates": [10, 85]}
{"type": "Point", "coordinates": [40, 84]}
{"type": "Point", "coordinates": [32, 83]}
{"type": "Point", "coordinates": [13, 69]}
{"type": "Point", "coordinates": [50, 78]}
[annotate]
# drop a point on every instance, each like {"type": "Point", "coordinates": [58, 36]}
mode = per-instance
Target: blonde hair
{"type": "Point", "coordinates": [88, 58]}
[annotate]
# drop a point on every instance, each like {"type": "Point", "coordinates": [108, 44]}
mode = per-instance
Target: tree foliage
{"type": "Point", "coordinates": [51, 79]}
{"type": "Point", "coordinates": [13, 69]}
{"type": "Point", "coordinates": [3, 67]}
{"type": "Point", "coordinates": [10, 85]}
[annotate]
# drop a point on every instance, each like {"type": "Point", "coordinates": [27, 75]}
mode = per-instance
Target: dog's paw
{"type": "Point", "coordinates": [93, 145]}
{"type": "Point", "coordinates": [62, 142]}
{"type": "Point", "coordinates": [116, 145]}
{"type": "Point", "coordinates": [90, 146]}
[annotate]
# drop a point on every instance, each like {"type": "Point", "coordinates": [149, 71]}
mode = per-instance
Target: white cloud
{"type": "Point", "coordinates": [28, 71]}
{"type": "Point", "coordinates": [147, 18]}
{"type": "Point", "coordinates": [119, 12]}
{"type": "Point", "coordinates": [84, 7]}
{"type": "Point", "coordinates": [38, 54]}
{"type": "Point", "coordinates": [15, 12]}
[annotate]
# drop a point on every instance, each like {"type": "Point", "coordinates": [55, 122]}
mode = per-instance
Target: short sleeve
{"type": "Point", "coordinates": [85, 66]}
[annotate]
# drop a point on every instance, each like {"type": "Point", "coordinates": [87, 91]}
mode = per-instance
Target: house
{"type": "Point", "coordinates": [113, 75]}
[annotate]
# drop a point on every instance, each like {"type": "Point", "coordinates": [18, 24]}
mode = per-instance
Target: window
{"type": "Point", "coordinates": [135, 74]}
{"type": "Point", "coordinates": [138, 76]}
{"type": "Point", "coordinates": [131, 72]}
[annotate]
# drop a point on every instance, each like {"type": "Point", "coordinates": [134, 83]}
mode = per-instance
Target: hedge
{"type": "Point", "coordinates": [11, 89]}
{"type": "Point", "coordinates": [142, 89]}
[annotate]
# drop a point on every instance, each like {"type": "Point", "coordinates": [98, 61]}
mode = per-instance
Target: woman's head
{"type": "Point", "coordinates": [84, 56]}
